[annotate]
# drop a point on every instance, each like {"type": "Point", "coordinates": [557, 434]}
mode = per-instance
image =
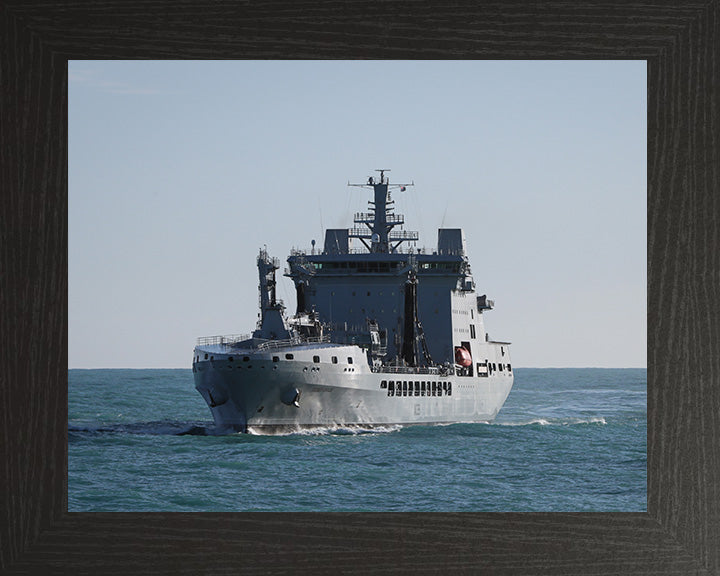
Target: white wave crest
{"type": "Point", "coordinates": [338, 430]}
{"type": "Point", "coordinates": [555, 422]}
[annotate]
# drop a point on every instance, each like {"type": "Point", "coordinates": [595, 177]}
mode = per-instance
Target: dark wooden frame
{"type": "Point", "coordinates": [680, 533]}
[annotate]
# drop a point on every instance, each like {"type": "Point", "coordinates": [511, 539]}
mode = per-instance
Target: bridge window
{"type": "Point", "coordinates": [417, 388]}
{"type": "Point", "coordinates": [391, 388]}
{"type": "Point", "coordinates": [289, 356]}
{"type": "Point", "coordinates": [383, 384]}
{"type": "Point", "coordinates": [316, 359]}
{"type": "Point", "coordinates": [404, 388]}
{"type": "Point", "coordinates": [334, 359]}
{"type": "Point", "coordinates": [349, 359]}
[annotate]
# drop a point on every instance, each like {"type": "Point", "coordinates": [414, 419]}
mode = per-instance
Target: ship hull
{"type": "Point", "coordinates": [332, 385]}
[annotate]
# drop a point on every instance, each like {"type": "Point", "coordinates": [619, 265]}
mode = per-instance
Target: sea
{"type": "Point", "coordinates": [567, 439]}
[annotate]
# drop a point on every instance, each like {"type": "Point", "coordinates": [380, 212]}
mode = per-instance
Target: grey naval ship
{"type": "Point", "coordinates": [383, 334]}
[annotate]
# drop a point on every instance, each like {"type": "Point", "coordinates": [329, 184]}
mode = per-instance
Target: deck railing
{"type": "Point", "coordinates": [230, 340]}
{"type": "Point", "coordinates": [271, 344]}
{"type": "Point", "coordinates": [215, 340]}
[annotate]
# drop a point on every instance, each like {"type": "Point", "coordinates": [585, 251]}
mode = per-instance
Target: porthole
{"type": "Point", "coordinates": [334, 359]}
{"type": "Point", "coordinates": [276, 358]}
{"type": "Point", "coordinates": [246, 358]}
{"type": "Point", "coordinates": [349, 359]}
{"type": "Point", "coordinates": [316, 359]}
{"type": "Point", "coordinates": [289, 356]}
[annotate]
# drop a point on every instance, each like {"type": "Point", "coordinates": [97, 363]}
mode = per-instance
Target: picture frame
{"type": "Point", "coordinates": [679, 534]}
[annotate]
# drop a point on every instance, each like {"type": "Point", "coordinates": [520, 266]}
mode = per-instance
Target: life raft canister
{"type": "Point", "coordinates": [462, 357]}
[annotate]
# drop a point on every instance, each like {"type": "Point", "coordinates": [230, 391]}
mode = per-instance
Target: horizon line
{"type": "Point", "coordinates": [516, 368]}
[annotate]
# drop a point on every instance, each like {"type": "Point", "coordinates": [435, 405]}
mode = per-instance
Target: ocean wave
{"type": "Point", "coordinates": [336, 430]}
{"type": "Point", "coordinates": [554, 422]}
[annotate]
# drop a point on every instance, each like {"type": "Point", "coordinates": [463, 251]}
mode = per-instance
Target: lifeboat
{"type": "Point", "coordinates": [462, 357]}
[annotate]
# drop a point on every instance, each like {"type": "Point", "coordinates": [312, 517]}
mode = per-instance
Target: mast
{"type": "Point", "coordinates": [381, 219]}
{"type": "Point", "coordinates": [271, 324]}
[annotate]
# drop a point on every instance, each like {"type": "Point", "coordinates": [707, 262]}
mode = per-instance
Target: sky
{"type": "Point", "coordinates": [180, 171]}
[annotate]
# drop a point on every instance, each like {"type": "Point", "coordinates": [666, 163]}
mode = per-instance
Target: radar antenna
{"type": "Point", "coordinates": [382, 175]}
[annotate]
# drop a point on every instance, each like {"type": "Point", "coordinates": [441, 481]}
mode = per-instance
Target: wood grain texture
{"type": "Point", "coordinates": [680, 534]}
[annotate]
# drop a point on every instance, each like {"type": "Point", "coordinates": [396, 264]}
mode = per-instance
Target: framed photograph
{"type": "Point", "coordinates": [526, 181]}
{"type": "Point", "coordinates": [676, 532]}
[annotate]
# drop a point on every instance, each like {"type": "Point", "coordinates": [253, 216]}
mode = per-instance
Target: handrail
{"type": "Point", "coordinates": [270, 344]}
{"type": "Point", "coordinates": [222, 340]}
{"type": "Point", "coordinates": [362, 217]}
{"type": "Point", "coordinates": [229, 341]}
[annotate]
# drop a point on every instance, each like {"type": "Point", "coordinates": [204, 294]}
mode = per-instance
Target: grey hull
{"type": "Point", "coordinates": [266, 392]}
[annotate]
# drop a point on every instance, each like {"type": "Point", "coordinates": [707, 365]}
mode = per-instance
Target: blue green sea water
{"type": "Point", "coordinates": [567, 439]}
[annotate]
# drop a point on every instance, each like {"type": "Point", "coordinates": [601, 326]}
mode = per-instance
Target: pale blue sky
{"type": "Point", "coordinates": [180, 171]}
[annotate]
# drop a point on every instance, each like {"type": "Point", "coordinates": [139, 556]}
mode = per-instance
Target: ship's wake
{"type": "Point", "coordinates": [172, 428]}
{"type": "Point", "coordinates": [161, 428]}
{"type": "Point", "coordinates": [338, 430]}
{"type": "Point", "coordinates": [551, 422]}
